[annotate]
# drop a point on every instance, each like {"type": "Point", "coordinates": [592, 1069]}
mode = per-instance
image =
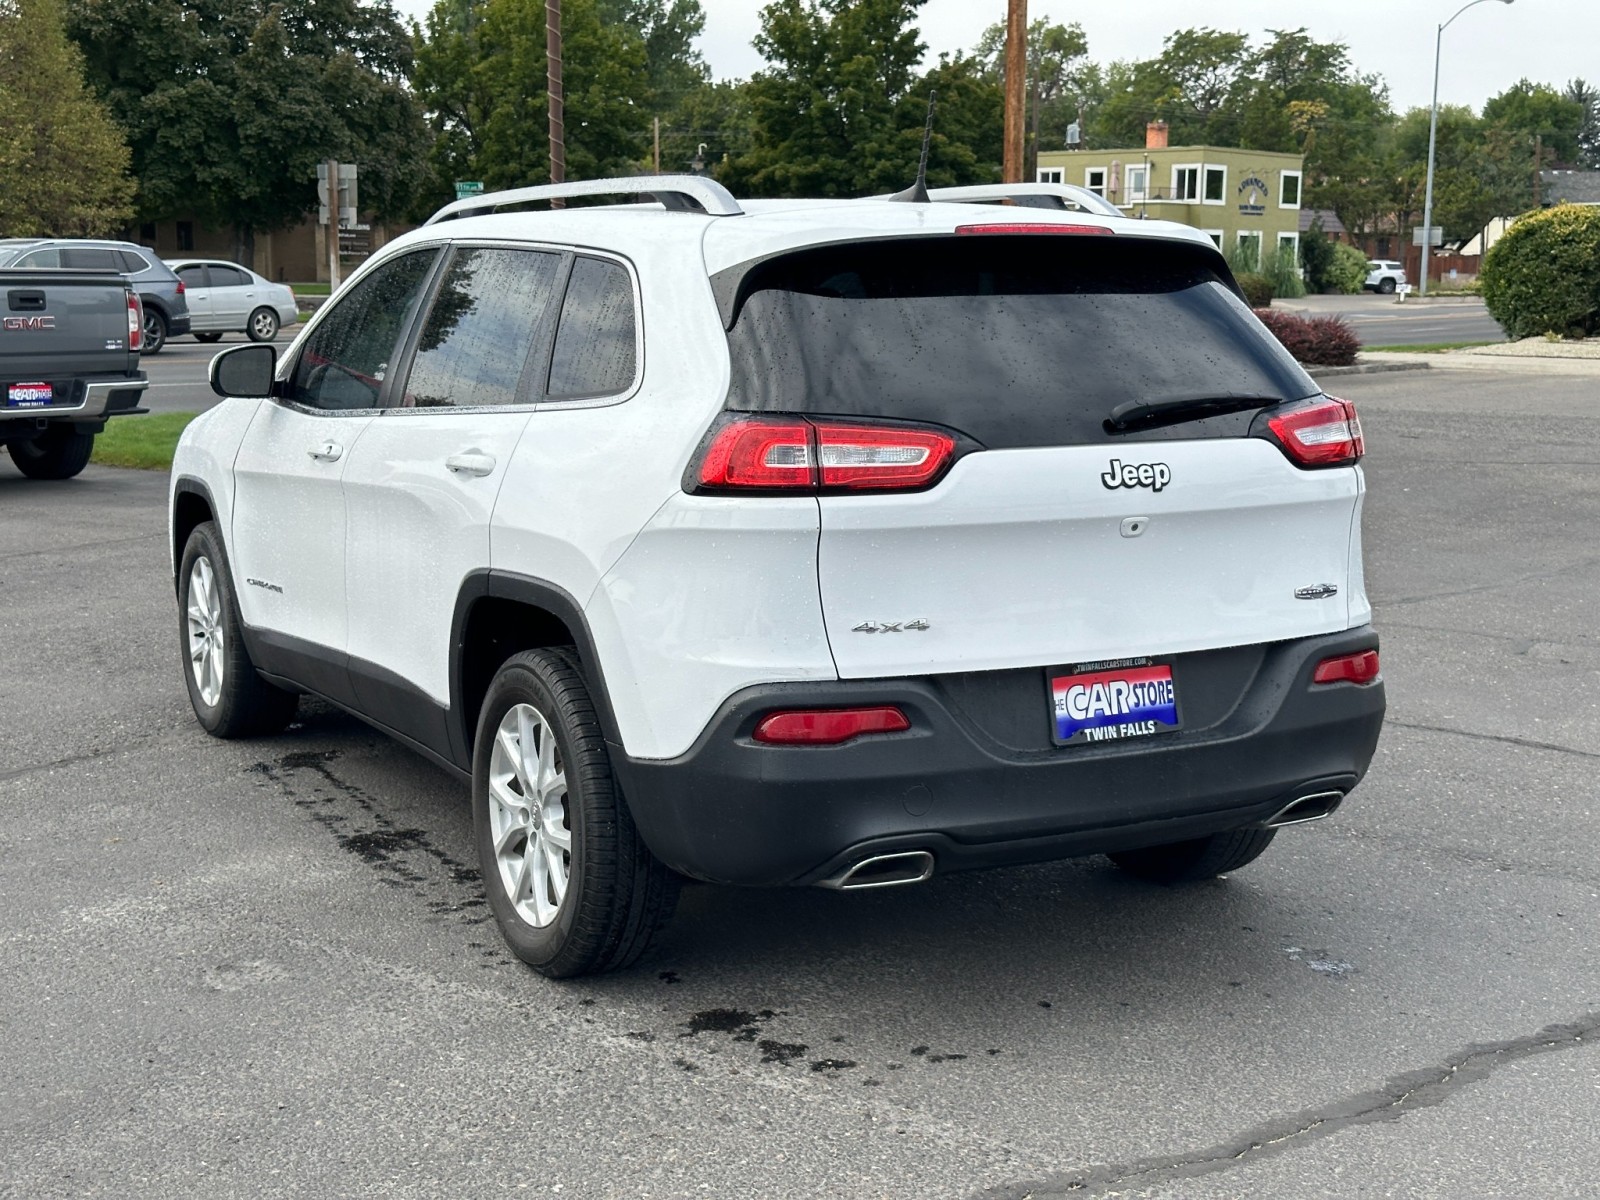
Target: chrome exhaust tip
{"type": "Point", "coordinates": [884, 870]}
{"type": "Point", "coordinates": [1307, 808]}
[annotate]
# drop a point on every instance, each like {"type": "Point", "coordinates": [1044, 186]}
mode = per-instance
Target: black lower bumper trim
{"type": "Point", "coordinates": [733, 810]}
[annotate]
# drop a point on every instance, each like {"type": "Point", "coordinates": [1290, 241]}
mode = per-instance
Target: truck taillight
{"type": "Point", "coordinates": [800, 454]}
{"type": "Point", "coordinates": [1324, 432]}
{"type": "Point", "coordinates": [135, 322]}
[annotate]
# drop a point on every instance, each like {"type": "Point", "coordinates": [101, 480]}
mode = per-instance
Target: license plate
{"type": "Point", "coordinates": [1109, 701]}
{"type": "Point", "coordinates": [30, 395]}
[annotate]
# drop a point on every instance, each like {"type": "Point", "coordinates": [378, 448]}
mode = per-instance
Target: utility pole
{"type": "Point", "coordinates": [1538, 170]}
{"type": "Point", "coordinates": [1016, 88]}
{"type": "Point", "coordinates": [333, 225]}
{"type": "Point", "coordinates": [657, 124]}
{"type": "Point", "coordinates": [558, 115]}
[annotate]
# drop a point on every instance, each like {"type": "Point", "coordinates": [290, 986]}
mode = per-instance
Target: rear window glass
{"type": "Point", "coordinates": [1015, 341]}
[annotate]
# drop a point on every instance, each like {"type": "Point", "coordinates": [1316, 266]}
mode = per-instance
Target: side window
{"type": "Point", "coordinates": [346, 357]}
{"type": "Point", "coordinates": [132, 263]}
{"type": "Point", "coordinates": [492, 308]}
{"type": "Point", "coordinates": [40, 258]}
{"type": "Point", "coordinates": [229, 277]}
{"type": "Point", "coordinates": [597, 342]}
{"type": "Point", "coordinates": [193, 277]}
{"type": "Point", "coordinates": [90, 258]}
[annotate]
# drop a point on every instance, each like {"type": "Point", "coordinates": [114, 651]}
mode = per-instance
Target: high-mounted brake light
{"type": "Point", "coordinates": [828, 726]}
{"type": "Point", "coordinates": [135, 322]}
{"type": "Point", "coordinates": [797, 454]}
{"type": "Point", "coordinates": [1034, 227]}
{"type": "Point", "coordinates": [1325, 432]}
{"type": "Point", "coordinates": [1348, 668]}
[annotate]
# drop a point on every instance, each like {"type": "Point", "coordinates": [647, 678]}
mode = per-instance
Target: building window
{"type": "Point", "coordinates": [147, 233]}
{"type": "Point", "coordinates": [1250, 250]}
{"type": "Point", "coordinates": [1289, 247]}
{"type": "Point", "coordinates": [1051, 175]}
{"type": "Point", "coordinates": [1138, 184]}
{"type": "Point", "coordinates": [1095, 180]}
{"type": "Point", "coordinates": [1186, 184]}
{"type": "Point", "coordinates": [1289, 189]}
{"type": "Point", "coordinates": [1215, 235]}
{"type": "Point", "coordinates": [1216, 185]}
{"type": "Point", "coordinates": [185, 235]}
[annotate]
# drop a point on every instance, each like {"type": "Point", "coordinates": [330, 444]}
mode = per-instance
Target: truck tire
{"type": "Point", "coordinates": [155, 332]}
{"type": "Point", "coordinates": [208, 337]}
{"type": "Point", "coordinates": [55, 454]}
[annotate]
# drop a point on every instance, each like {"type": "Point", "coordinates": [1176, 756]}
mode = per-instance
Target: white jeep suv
{"type": "Point", "coordinates": [792, 543]}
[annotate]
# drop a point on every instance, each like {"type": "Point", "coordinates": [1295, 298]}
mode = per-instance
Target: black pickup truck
{"type": "Point", "coordinates": [69, 359]}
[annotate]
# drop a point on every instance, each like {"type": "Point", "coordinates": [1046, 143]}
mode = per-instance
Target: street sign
{"type": "Point", "coordinates": [468, 187]}
{"type": "Point", "coordinates": [1436, 240]}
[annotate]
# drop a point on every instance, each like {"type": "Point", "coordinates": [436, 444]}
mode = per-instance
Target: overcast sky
{"type": "Point", "coordinates": [1487, 50]}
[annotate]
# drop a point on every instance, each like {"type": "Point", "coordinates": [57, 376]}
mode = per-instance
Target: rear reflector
{"type": "Point", "coordinates": [1348, 668]}
{"type": "Point", "coordinates": [1034, 227]}
{"type": "Point", "coordinates": [828, 726]}
{"type": "Point", "coordinates": [795, 454]}
{"type": "Point", "coordinates": [1325, 432]}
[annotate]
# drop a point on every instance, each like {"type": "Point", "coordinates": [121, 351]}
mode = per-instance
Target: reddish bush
{"type": "Point", "coordinates": [1315, 341]}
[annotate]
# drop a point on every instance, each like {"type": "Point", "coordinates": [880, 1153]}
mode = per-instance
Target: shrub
{"type": "Point", "coordinates": [1348, 270]}
{"type": "Point", "coordinates": [1257, 289]}
{"type": "Point", "coordinates": [1315, 341]}
{"type": "Point", "coordinates": [1283, 268]}
{"type": "Point", "coordinates": [1543, 276]}
{"type": "Point", "coordinates": [1316, 256]}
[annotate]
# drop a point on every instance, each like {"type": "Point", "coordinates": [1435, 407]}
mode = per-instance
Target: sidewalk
{"type": "Point", "coordinates": [1502, 358]}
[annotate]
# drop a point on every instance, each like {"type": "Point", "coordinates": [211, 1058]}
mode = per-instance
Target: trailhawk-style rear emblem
{"type": "Point", "coordinates": [1317, 591]}
{"type": "Point", "coordinates": [917, 626]}
{"type": "Point", "coordinates": [1154, 476]}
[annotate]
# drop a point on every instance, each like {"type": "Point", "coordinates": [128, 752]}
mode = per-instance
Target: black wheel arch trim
{"type": "Point", "coordinates": [187, 485]}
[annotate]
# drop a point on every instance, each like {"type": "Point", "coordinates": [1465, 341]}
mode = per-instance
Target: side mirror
{"type": "Point", "coordinates": [244, 371]}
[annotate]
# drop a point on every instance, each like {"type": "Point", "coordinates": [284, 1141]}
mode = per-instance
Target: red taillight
{"type": "Point", "coordinates": [1319, 433]}
{"type": "Point", "coordinates": [828, 726]}
{"type": "Point", "coordinates": [795, 454]}
{"type": "Point", "coordinates": [182, 288]}
{"type": "Point", "coordinates": [1348, 668]}
{"type": "Point", "coordinates": [1034, 227]}
{"type": "Point", "coordinates": [135, 322]}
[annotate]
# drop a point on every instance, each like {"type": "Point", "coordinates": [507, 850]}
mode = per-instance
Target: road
{"type": "Point", "coordinates": [1383, 321]}
{"type": "Point", "coordinates": [179, 375]}
{"type": "Point", "coordinates": [265, 967]}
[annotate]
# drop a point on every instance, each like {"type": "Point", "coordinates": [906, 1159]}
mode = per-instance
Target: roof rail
{"type": "Point", "coordinates": [677, 193]}
{"type": "Point", "coordinates": [1026, 195]}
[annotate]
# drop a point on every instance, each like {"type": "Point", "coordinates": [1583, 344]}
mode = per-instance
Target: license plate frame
{"type": "Point", "coordinates": [1146, 705]}
{"type": "Point", "coordinates": [24, 396]}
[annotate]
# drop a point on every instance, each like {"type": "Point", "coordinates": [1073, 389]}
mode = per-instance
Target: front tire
{"type": "Point", "coordinates": [57, 453]}
{"type": "Point", "coordinates": [570, 882]}
{"type": "Point", "coordinates": [1193, 861]}
{"type": "Point", "coordinates": [229, 698]}
{"type": "Point", "coordinates": [1386, 286]}
{"type": "Point", "coordinates": [263, 325]}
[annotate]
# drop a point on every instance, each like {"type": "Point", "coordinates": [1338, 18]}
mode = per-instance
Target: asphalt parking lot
{"type": "Point", "coordinates": [180, 374]}
{"type": "Point", "coordinates": [1385, 321]}
{"type": "Point", "coordinates": [266, 967]}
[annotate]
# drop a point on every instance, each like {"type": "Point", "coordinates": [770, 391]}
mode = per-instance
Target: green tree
{"type": "Point", "coordinates": [63, 163]}
{"type": "Point", "coordinates": [481, 75]}
{"type": "Point", "coordinates": [1588, 98]}
{"type": "Point", "coordinates": [1526, 110]}
{"type": "Point", "coordinates": [668, 29]}
{"type": "Point", "coordinates": [230, 104]}
{"type": "Point", "coordinates": [839, 109]}
{"type": "Point", "coordinates": [1058, 75]}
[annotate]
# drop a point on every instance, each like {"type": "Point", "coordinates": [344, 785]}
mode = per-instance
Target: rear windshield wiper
{"type": "Point", "coordinates": [1133, 415]}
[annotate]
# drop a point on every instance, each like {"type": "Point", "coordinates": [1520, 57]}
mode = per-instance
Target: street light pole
{"type": "Point", "coordinates": [1433, 139]}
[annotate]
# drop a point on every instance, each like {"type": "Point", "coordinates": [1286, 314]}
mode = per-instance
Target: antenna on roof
{"type": "Point", "coordinates": [917, 193]}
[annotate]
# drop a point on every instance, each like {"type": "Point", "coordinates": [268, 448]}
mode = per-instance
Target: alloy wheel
{"type": "Point", "coordinates": [206, 636]}
{"type": "Point", "coordinates": [529, 817]}
{"type": "Point", "coordinates": [264, 326]}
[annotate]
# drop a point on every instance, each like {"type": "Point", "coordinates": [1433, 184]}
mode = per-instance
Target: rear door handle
{"type": "Point", "coordinates": [326, 452]}
{"type": "Point", "coordinates": [473, 462]}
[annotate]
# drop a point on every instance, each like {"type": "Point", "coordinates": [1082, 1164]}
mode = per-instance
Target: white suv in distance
{"type": "Point", "coordinates": [1385, 275]}
{"type": "Point", "coordinates": [792, 543]}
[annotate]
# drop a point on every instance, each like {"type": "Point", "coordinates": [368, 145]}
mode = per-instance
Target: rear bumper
{"type": "Point", "coordinates": [733, 810]}
{"type": "Point", "coordinates": [91, 398]}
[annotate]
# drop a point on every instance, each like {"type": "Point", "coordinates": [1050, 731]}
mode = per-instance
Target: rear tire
{"type": "Point", "coordinates": [208, 337]}
{"type": "Point", "coordinates": [229, 698]}
{"type": "Point", "coordinates": [263, 325]}
{"type": "Point", "coordinates": [155, 332]}
{"type": "Point", "coordinates": [55, 454]}
{"type": "Point", "coordinates": [569, 880]}
{"type": "Point", "coordinates": [1193, 861]}
{"type": "Point", "coordinates": [1386, 286]}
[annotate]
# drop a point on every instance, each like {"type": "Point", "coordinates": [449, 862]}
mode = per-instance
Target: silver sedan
{"type": "Point", "coordinates": [227, 298]}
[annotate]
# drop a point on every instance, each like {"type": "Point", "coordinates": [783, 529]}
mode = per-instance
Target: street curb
{"type": "Point", "coordinates": [1367, 368]}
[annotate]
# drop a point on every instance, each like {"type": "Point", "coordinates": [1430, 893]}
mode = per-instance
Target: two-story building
{"type": "Point", "coordinates": [1240, 198]}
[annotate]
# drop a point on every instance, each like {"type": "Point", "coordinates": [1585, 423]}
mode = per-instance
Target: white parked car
{"type": "Point", "coordinates": [227, 298]}
{"type": "Point", "coordinates": [1385, 275]}
{"type": "Point", "coordinates": [792, 543]}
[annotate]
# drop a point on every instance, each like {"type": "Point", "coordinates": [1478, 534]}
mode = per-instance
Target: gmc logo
{"type": "Point", "coordinates": [17, 324]}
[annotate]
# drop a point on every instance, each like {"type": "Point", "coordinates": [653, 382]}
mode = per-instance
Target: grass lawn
{"type": "Point", "coordinates": [145, 442]}
{"type": "Point", "coordinates": [1428, 347]}
{"type": "Point", "coordinates": [309, 289]}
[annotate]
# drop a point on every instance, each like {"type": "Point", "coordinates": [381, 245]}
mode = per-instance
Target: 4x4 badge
{"type": "Point", "coordinates": [1154, 476]}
